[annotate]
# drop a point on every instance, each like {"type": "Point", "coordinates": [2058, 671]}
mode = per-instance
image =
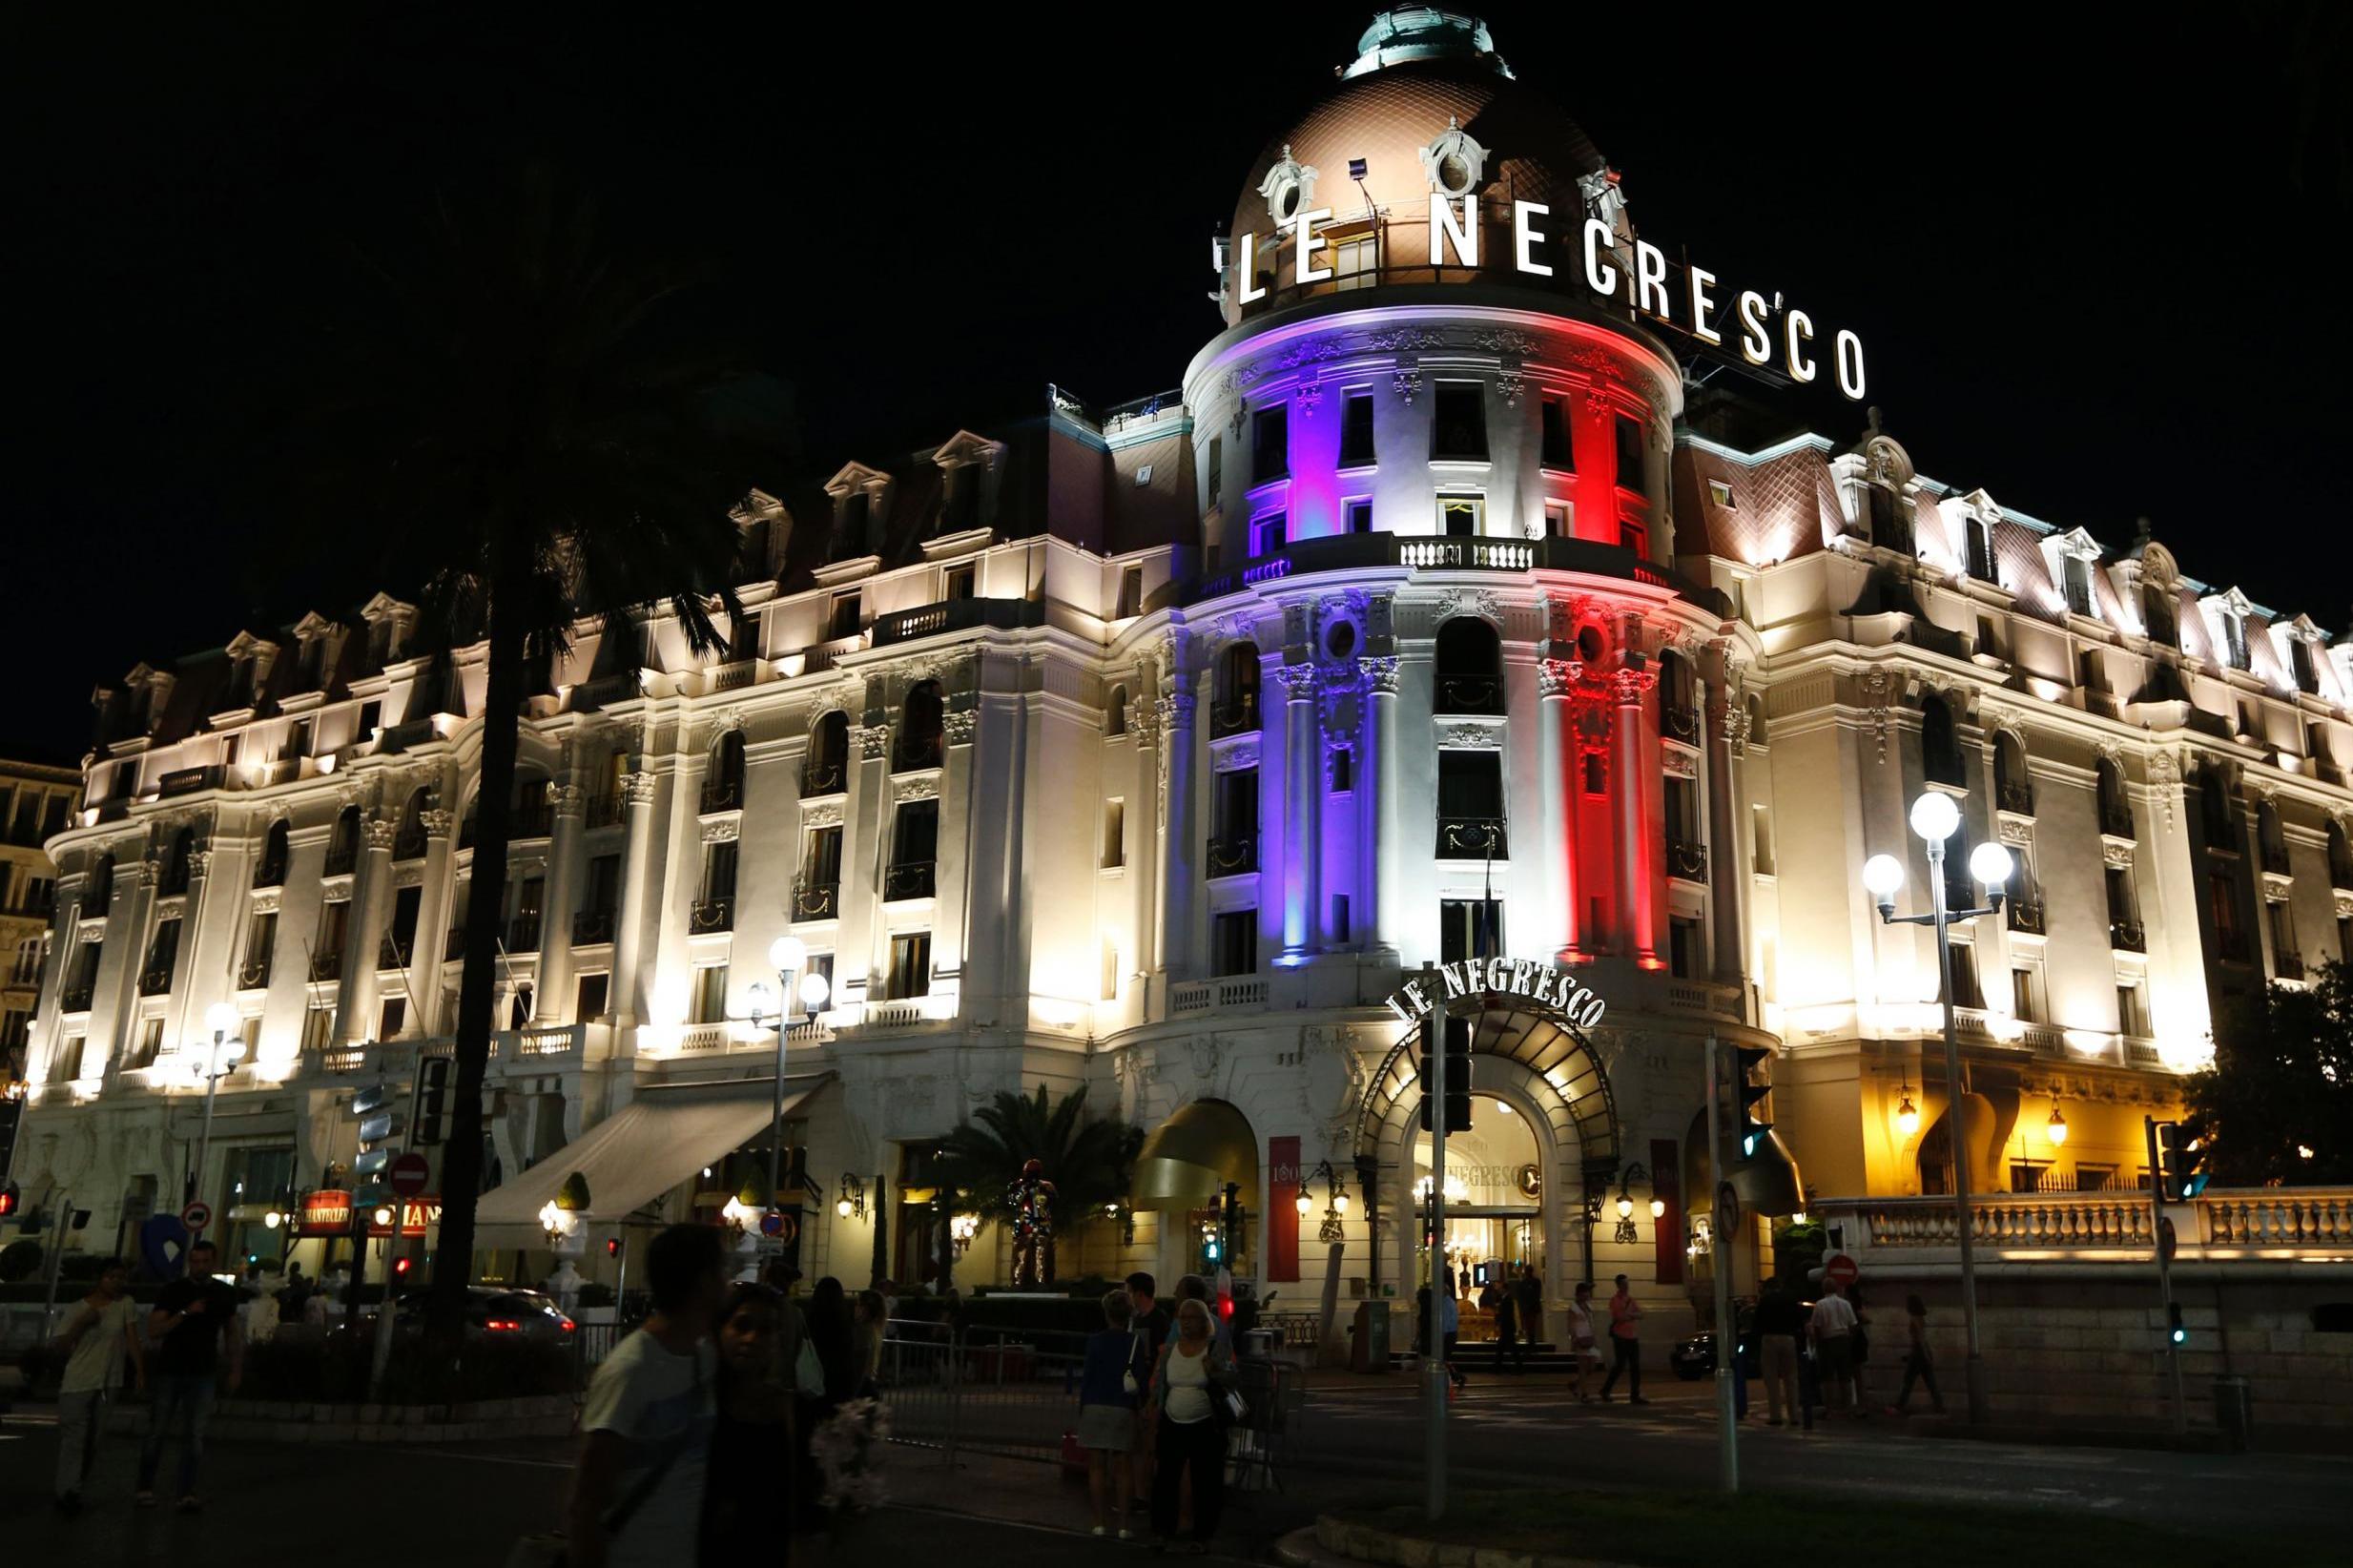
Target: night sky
{"type": "Point", "coordinates": [2102, 275]}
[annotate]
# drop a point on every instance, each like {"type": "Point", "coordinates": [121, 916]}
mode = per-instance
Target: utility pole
{"type": "Point", "coordinates": [1727, 1335]}
{"type": "Point", "coordinates": [1433, 1382]}
{"type": "Point", "coordinates": [2161, 1236]}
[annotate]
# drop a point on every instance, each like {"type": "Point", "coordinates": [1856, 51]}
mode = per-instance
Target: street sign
{"type": "Point", "coordinates": [1727, 1208]}
{"type": "Point", "coordinates": [1838, 1269]}
{"type": "Point", "coordinates": [196, 1216]}
{"type": "Point", "coordinates": [325, 1212]}
{"type": "Point", "coordinates": [772, 1223]}
{"type": "Point", "coordinates": [409, 1174]}
{"type": "Point", "coordinates": [2166, 1241]}
{"type": "Point", "coordinates": [370, 1099]}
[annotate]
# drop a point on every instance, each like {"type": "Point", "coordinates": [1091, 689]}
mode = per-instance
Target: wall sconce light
{"type": "Point", "coordinates": [853, 1197]}
{"type": "Point", "coordinates": [1907, 1114]}
{"type": "Point", "coordinates": [1626, 1235]}
{"type": "Point", "coordinates": [557, 1222]}
{"type": "Point", "coordinates": [962, 1229]}
{"type": "Point", "coordinates": [2055, 1129]}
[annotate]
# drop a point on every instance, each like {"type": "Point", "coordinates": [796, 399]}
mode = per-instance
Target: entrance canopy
{"type": "Point", "coordinates": [643, 1150]}
{"type": "Point", "coordinates": [1187, 1160]}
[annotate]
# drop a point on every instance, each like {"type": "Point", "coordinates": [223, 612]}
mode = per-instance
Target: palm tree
{"type": "Point", "coordinates": [550, 442]}
{"type": "Point", "coordinates": [1088, 1159]}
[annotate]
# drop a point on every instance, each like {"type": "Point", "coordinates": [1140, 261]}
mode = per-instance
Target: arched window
{"type": "Point", "coordinates": [1115, 713]}
{"type": "Point", "coordinates": [2115, 807]}
{"type": "Point", "coordinates": [2011, 789]}
{"type": "Point", "coordinates": [2269, 841]}
{"type": "Point", "coordinates": [2213, 797]}
{"type": "Point", "coordinates": [723, 784]}
{"type": "Point", "coordinates": [177, 863]}
{"type": "Point", "coordinates": [2157, 614]}
{"type": "Point", "coordinates": [271, 871]}
{"type": "Point", "coordinates": [2339, 858]}
{"type": "Point", "coordinates": [1678, 716]}
{"type": "Point", "coordinates": [101, 895]}
{"type": "Point", "coordinates": [922, 721]}
{"type": "Point", "coordinates": [1470, 667]}
{"type": "Point", "coordinates": [1234, 708]}
{"type": "Point", "coordinates": [344, 844]}
{"type": "Point", "coordinates": [1940, 753]}
{"type": "Point", "coordinates": [408, 842]}
{"type": "Point", "coordinates": [826, 771]}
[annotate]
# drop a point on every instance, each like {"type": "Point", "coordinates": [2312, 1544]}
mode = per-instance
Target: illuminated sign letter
{"type": "Point", "coordinates": [1650, 270]}
{"type": "Point", "coordinates": [1798, 325]}
{"type": "Point", "coordinates": [1851, 364]}
{"type": "Point", "coordinates": [1756, 343]}
{"type": "Point", "coordinates": [1307, 245]}
{"type": "Point", "coordinates": [1443, 228]}
{"type": "Point", "coordinates": [1248, 264]}
{"type": "Point", "coordinates": [1457, 984]}
{"type": "Point", "coordinates": [1546, 975]}
{"type": "Point", "coordinates": [1600, 275]}
{"type": "Point", "coordinates": [1525, 239]}
{"type": "Point", "coordinates": [1701, 304]}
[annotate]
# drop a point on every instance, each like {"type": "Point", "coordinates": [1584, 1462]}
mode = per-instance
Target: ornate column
{"type": "Point", "coordinates": [1556, 683]}
{"type": "Point", "coordinates": [433, 921]}
{"type": "Point", "coordinates": [865, 825]}
{"type": "Point", "coordinates": [961, 786]}
{"type": "Point", "coordinates": [1180, 875]}
{"type": "Point", "coordinates": [355, 1006]}
{"type": "Point", "coordinates": [1638, 872]}
{"type": "Point", "coordinates": [1303, 835]}
{"type": "Point", "coordinates": [552, 996]}
{"type": "Point", "coordinates": [1144, 835]}
{"type": "Point", "coordinates": [637, 875]}
{"type": "Point", "coordinates": [1727, 856]}
{"type": "Point", "coordinates": [1385, 919]}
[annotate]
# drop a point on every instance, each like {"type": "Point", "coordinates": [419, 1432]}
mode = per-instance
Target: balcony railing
{"type": "Point", "coordinates": [270, 873]}
{"type": "Point", "coordinates": [591, 926]}
{"type": "Point", "coordinates": [1680, 721]}
{"type": "Point", "coordinates": [605, 688]}
{"type": "Point", "coordinates": [823, 777]}
{"type": "Point", "coordinates": [1199, 996]}
{"type": "Point", "coordinates": [2288, 965]}
{"type": "Point", "coordinates": [1687, 860]}
{"type": "Point", "coordinates": [2025, 915]}
{"type": "Point", "coordinates": [253, 974]}
{"type": "Point", "coordinates": [604, 810]}
{"type": "Point", "coordinates": [1337, 552]}
{"type": "Point", "coordinates": [955, 615]}
{"type": "Point", "coordinates": [340, 858]}
{"type": "Point", "coordinates": [172, 882]}
{"type": "Point", "coordinates": [76, 998]}
{"type": "Point", "coordinates": [2015, 797]}
{"type": "Point", "coordinates": [2005, 1219]}
{"type": "Point", "coordinates": [1233, 856]}
{"type": "Point", "coordinates": [913, 879]}
{"type": "Point", "coordinates": [723, 795]}
{"type": "Point", "coordinates": [328, 965]}
{"type": "Point", "coordinates": [2128, 937]}
{"type": "Point", "coordinates": [189, 781]}
{"type": "Point", "coordinates": [712, 915]}
{"type": "Point", "coordinates": [1472, 838]}
{"type": "Point", "coordinates": [409, 844]}
{"type": "Point", "coordinates": [1238, 717]}
{"type": "Point", "coordinates": [522, 934]}
{"type": "Point", "coordinates": [531, 819]}
{"type": "Point", "coordinates": [153, 983]}
{"type": "Point", "coordinates": [816, 900]}
{"type": "Point", "coordinates": [2115, 819]}
{"type": "Point", "coordinates": [2278, 1218]}
{"type": "Point", "coordinates": [2275, 860]}
{"type": "Point", "coordinates": [913, 752]}
{"type": "Point", "coordinates": [1468, 695]}
{"type": "Point", "coordinates": [388, 952]}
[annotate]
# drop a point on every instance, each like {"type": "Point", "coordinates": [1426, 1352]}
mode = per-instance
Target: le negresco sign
{"type": "Point", "coordinates": [1540, 984]}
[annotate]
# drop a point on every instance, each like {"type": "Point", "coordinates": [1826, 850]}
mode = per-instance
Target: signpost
{"type": "Point", "coordinates": [1727, 1329]}
{"type": "Point", "coordinates": [197, 1217]}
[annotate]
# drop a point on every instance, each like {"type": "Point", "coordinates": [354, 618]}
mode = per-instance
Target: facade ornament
{"type": "Point", "coordinates": [1509, 343]}
{"type": "Point", "coordinates": [637, 788]}
{"type": "Point", "coordinates": [872, 740]}
{"type": "Point", "coordinates": [1243, 752]}
{"type": "Point", "coordinates": [1877, 688]}
{"type": "Point", "coordinates": [1308, 395]}
{"type": "Point", "coordinates": [1471, 738]}
{"type": "Point", "coordinates": [199, 861]}
{"type": "Point", "coordinates": [1627, 686]}
{"type": "Point", "coordinates": [1405, 340]}
{"type": "Point", "coordinates": [2115, 855]}
{"type": "Point", "coordinates": [1241, 419]}
{"type": "Point", "coordinates": [1242, 377]}
{"type": "Point", "coordinates": [1735, 723]}
{"type": "Point", "coordinates": [1679, 764]}
{"type": "Point", "coordinates": [960, 725]}
{"type": "Point", "coordinates": [824, 814]}
{"type": "Point", "coordinates": [1511, 384]}
{"type": "Point", "coordinates": [1299, 680]}
{"type": "Point", "coordinates": [1557, 678]}
{"type": "Point", "coordinates": [380, 833]}
{"type": "Point", "coordinates": [1289, 187]}
{"type": "Point", "coordinates": [2166, 775]}
{"type": "Point", "coordinates": [266, 899]}
{"type": "Point", "coordinates": [1408, 384]}
{"type": "Point", "coordinates": [1491, 607]}
{"type": "Point", "coordinates": [565, 799]}
{"type": "Point", "coordinates": [436, 822]}
{"type": "Point", "coordinates": [2014, 829]}
{"type": "Point", "coordinates": [1454, 162]}
{"type": "Point", "coordinates": [723, 830]}
{"type": "Point", "coordinates": [922, 786]}
{"type": "Point", "coordinates": [1314, 351]}
{"type": "Point", "coordinates": [1380, 673]}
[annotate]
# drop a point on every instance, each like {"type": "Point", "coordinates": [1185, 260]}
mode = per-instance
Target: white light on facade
{"type": "Point", "coordinates": [1883, 874]}
{"type": "Point", "coordinates": [220, 1018]}
{"type": "Point", "coordinates": [1934, 817]}
{"type": "Point", "coordinates": [788, 954]}
{"type": "Point", "coordinates": [1989, 863]}
{"type": "Point", "coordinates": [815, 988]}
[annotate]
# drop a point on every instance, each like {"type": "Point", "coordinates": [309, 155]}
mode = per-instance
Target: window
{"type": "Point", "coordinates": [1980, 536]}
{"type": "Point", "coordinates": [67, 1066]}
{"type": "Point", "coordinates": [297, 742]}
{"type": "Point", "coordinates": [1356, 262]}
{"type": "Point", "coordinates": [1340, 918]}
{"type": "Point", "coordinates": [2025, 993]}
{"type": "Point", "coordinates": [1115, 713]}
{"type": "Point", "coordinates": [602, 895]}
{"type": "Point", "coordinates": [2132, 1009]}
{"type": "Point", "coordinates": [1234, 709]}
{"type": "Point", "coordinates": [1596, 773]}
{"type": "Point", "coordinates": [911, 965]}
{"type": "Point", "coordinates": [922, 729]}
{"type": "Point", "coordinates": [1988, 640]}
{"type": "Point", "coordinates": [719, 871]}
{"type": "Point", "coordinates": [1471, 805]}
{"type": "Point", "coordinates": [710, 994]}
{"type": "Point", "coordinates": [1462, 516]}
{"type": "Point", "coordinates": [1271, 444]}
{"type": "Point", "coordinates": [1558, 515]}
{"type": "Point", "coordinates": [2157, 615]}
{"type": "Point", "coordinates": [150, 1043]}
{"type": "Point", "coordinates": [1269, 532]}
{"type": "Point", "coordinates": [1114, 847]}
{"type": "Point", "coordinates": [2076, 574]}
{"type": "Point", "coordinates": [1343, 770]}
{"type": "Point", "coordinates": [1469, 928]}
{"type": "Point", "coordinates": [162, 957]}
{"type": "Point", "coordinates": [1682, 941]}
{"type": "Point", "coordinates": [406, 903]}
{"type": "Point", "coordinates": [1940, 753]}
{"type": "Point", "coordinates": [2234, 639]}
{"type": "Point", "coordinates": [849, 525]}
{"type": "Point", "coordinates": [2124, 909]}
{"type": "Point", "coordinates": [2013, 790]}
{"type": "Point", "coordinates": [1359, 514]}
{"type": "Point", "coordinates": [1629, 445]}
{"type": "Point", "coordinates": [1553, 430]}
{"type": "Point", "coordinates": [1233, 942]}
{"type": "Point", "coordinates": [1459, 429]}
{"type": "Point", "coordinates": [1469, 673]}
{"type": "Point", "coordinates": [271, 870]}
{"type": "Point", "coordinates": [1217, 469]}
{"type": "Point", "coordinates": [1966, 992]}
{"type": "Point", "coordinates": [1719, 494]}
{"type": "Point", "coordinates": [317, 1026]}
{"type": "Point", "coordinates": [2286, 957]}
{"type": "Point", "coordinates": [1233, 823]}
{"type": "Point", "coordinates": [2306, 667]}
{"type": "Point", "coordinates": [371, 719]}
{"type": "Point", "coordinates": [590, 997]}
{"type": "Point", "coordinates": [394, 1016]}
{"type": "Point", "coordinates": [1356, 431]}
{"type": "Point", "coordinates": [531, 897]}
{"type": "Point", "coordinates": [1131, 602]}
{"type": "Point", "coordinates": [957, 583]}
{"type": "Point", "coordinates": [960, 509]}
{"type": "Point", "coordinates": [1634, 536]}
{"type": "Point", "coordinates": [2223, 907]}
{"type": "Point", "coordinates": [820, 863]}
{"type": "Point", "coordinates": [915, 851]}
{"type": "Point", "coordinates": [842, 620]}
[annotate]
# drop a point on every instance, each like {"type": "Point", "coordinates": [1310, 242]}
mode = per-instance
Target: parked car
{"type": "Point", "coordinates": [494, 1311]}
{"type": "Point", "coordinates": [1696, 1357]}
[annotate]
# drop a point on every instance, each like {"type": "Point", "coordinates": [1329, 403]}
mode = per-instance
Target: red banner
{"type": "Point", "coordinates": [1283, 1187]}
{"type": "Point", "coordinates": [326, 1212]}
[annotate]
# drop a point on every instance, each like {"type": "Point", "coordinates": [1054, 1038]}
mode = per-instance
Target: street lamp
{"type": "Point", "coordinates": [1933, 818]}
{"type": "Point", "coordinates": [222, 1019]}
{"type": "Point", "coordinates": [853, 1197]}
{"type": "Point", "coordinates": [789, 957]}
{"type": "Point", "coordinates": [2055, 1129]}
{"type": "Point", "coordinates": [1907, 1114]}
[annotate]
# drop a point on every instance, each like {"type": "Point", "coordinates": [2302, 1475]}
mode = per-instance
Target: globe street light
{"type": "Point", "coordinates": [789, 956]}
{"type": "Point", "coordinates": [218, 1062]}
{"type": "Point", "coordinates": [1934, 817]}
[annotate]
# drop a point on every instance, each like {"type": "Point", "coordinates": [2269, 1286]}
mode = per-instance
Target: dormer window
{"type": "Point", "coordinates": [2306, 664]}
{"type": "Point", "coordinates": [2234, 639]}
{"type": "Point", "coordinates": [2157, 615]}
{"type": "Point", "coordinates": [2075, 578]}
{"type": "Point", "coordinates": [1289, 187]}
{"type": "Point", "coordinates": [1454, 163]}
{"type": "Point", "coordinates": [850, 525]}
{"type": "Point", "coordinates": [1980, 531]}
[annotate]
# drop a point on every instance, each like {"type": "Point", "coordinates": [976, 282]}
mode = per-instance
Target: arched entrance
{"type": "Point", "coordinates": [1544, 1068]}
{"type": "Point", "coordinates": [1183, 1172]}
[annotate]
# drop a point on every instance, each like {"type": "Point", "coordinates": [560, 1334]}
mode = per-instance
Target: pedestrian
{"type": "Point", "coordinates": [1584, 1349]}
{"type": "Point", "coordinates": [1507, 1331]}
{"type": "Point", "coordinates": [1625, 1344]}
{"type": "Point", "coordinates": [1831, 1328]}
{"type": "Point", "coordinates": [1450, 1332]}
{"type": "Point", "coordinates": [637, 1494]}
{"type": "Point", "coordinates": [1193, 1288]}
{"type": "Point", "coordinates": [1151, 1323]}
{"type": "Point", "coordinates": [1109, 1390]}
{"type": "Point", "coordinates": [752, 1438]}
{"type": "Point", "coordinates": [1918, 1365]}
{"type": "Point", "coordinates": [102, 1333]}
{"type": "Point", "coordinates": [867, 1316]}
{"type": "Point", "coordinates": [833, 1331]}
{"type": "Point", "coordinates": [1192, 1387]}
{"type": "Point", "coordinates": [1529, 1291]}
{"type": "Point", "coordinates": [1859, 1346]}
{"type": "Point", "coordinates": [192, 1320]}
{"type": "Point", "coordinates": [1780, 1321]}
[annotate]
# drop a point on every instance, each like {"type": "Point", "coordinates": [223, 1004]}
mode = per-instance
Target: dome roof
{"type": "Point", "coordinates": [1421, 73]}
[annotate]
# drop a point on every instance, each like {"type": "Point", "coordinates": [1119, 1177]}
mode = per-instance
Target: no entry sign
{"type": "Point", "coordinates": [1838, 1269]}
{"type": "Point", "coordinates": [409, 1174]}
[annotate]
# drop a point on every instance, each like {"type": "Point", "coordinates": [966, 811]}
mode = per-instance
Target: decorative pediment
{"type": "Point", "coordinates": [2229, 602]}
{"type": "Point", "coordinates": [1289, 187]}
{"type": "Point", "coordinates": [247, 646]}
{"type": "Point", "coordinates": [855, 476]}
{"type": "Point", "coordinates": [964, 447]}
{"type": "Point", "coordinates": [2076, 543]}
{"type": "Point", "coordinates": [386, 608]}
{"type": "Point", "coordinates": [756, 507]}
{"type": "Point", "coordinates": [310, 626]}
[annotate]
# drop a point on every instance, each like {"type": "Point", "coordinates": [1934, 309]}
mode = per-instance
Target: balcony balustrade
{"type": "Point", "coordinates": [911, 880]}
{"type": "Point", "coordinates": [1472, 838]}
{"type": "Point", "coordinates": [816, 900]}
{"type": "Point", "coordinates": [710, 915]}
{"type": "Point", "coordinates": [1233, 856]}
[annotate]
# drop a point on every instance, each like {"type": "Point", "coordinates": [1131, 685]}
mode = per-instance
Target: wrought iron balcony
{"type": "Point", "coordinates": [172, 882]}
{"type": "Point", "coordinates": [2128, 937]}
{"type": "Point", "coordinates": [1680, 721]}
{"type": "Point", "coordinates": [2025, 915]}
{"type": "Point", "coordinates": [253, 974]}
{"type": "Point", "coordinates": [604, 810]}
{"type": "Point", "coordinates": [328, 965]}
{"type": "Point", "coordinates": [918, 752]}
{"type": "Point", "coordinates": [1233, 855]}
{"type": "Point", "coordinates": [155, 982]}
{"type": "Point", "coordinates": [723, 795]}
{"type": "Point", "coordinates": [2288, 965]}
{"type": "Point", "coordinates": [1687, 860]}
{"type": "Point", "coordinates": [591, 926]}
{"type": "Point", "coordinates": [1468, 695]}
{"type": "Point", "coordinates": [270, 873]}
{"type": "Point", "coordinates": [409, 844]}
{"type": "Point", "coordinates": [522, 934]}
{"type": "Point", "coordinates": [341, 857]}
{"type": "Point", "coordinates": [712, 915]}
{"type": "Point", "coordinates": [915, 880]}
{"type": "Point", "coordinates": [2115, 819]}
{"type": "Point", "coordinates": [2275, 860]}
{"type": "Point", "coordinates": [388, 952]}
{"type": "Point", "coordinates": [1238, 717]}
{"type": "Point", "coordinates": [76, 1000]}
{"type": "Point", "coordinates": [1471, 838]}
{"type": "Point", "coordinates": [531, 819]}
{"type": "Point", "coordinates": [823, 777]}
{"type": "Point", "coordinates": [2016, 798]}
{"type": "Point", "coordinates": [816, 900]}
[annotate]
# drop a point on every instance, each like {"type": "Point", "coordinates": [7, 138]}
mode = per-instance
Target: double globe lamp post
{"type": "Point", "coordinates": [1934, 817]}
{"type": "Point", "coordinates": [808, 988]}
{"type": "Point", "coordinates": [214, 1063]}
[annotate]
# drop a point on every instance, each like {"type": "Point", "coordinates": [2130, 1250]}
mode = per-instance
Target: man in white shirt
{"type": "Point", "coordinates": [637, 1497]}
{"type": "Point", "coordinates": [103, 1330]}
{"type": "Point", "coordinates": [1833, 1331]}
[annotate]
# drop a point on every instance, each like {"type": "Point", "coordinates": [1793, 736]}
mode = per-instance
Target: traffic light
{"type": "Point", "coordinates": [7, 1200]}
{"type": "Point", "coordinates": [1750, 1129]}
{"type": "Point", "coordinates": [2175, 1332]}
{"type": "Point", "coordinates": [399, 1270]}
{"type": "Point", "coordinates": [1458, 1035]}
{"type": "Point", "coordinates": [612, 1246]}
{"type": "Point", "coordinates": [2181, 1160]}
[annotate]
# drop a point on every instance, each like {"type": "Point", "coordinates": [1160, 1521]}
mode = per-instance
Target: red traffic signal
{"type": "Point", "coordinates": [401, 1267]}
{"type": "Point", "coordinates": [8, 1200]}
{"type": "Point", "coordinates": [612, 1246]}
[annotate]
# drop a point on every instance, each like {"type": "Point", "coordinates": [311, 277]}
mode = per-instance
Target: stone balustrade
{"type": "Point", "coordinates": [2313, 1222]}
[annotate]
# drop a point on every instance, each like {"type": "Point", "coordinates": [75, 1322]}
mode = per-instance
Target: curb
{"type": "Point", "coordinates": [1332, 1542]}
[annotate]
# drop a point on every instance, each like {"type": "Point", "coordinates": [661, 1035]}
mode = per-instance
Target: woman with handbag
{"type": "Point", "coordinates": [1193, 1401]}
{"type": "Point", "coordinates": [1108, 1391]}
